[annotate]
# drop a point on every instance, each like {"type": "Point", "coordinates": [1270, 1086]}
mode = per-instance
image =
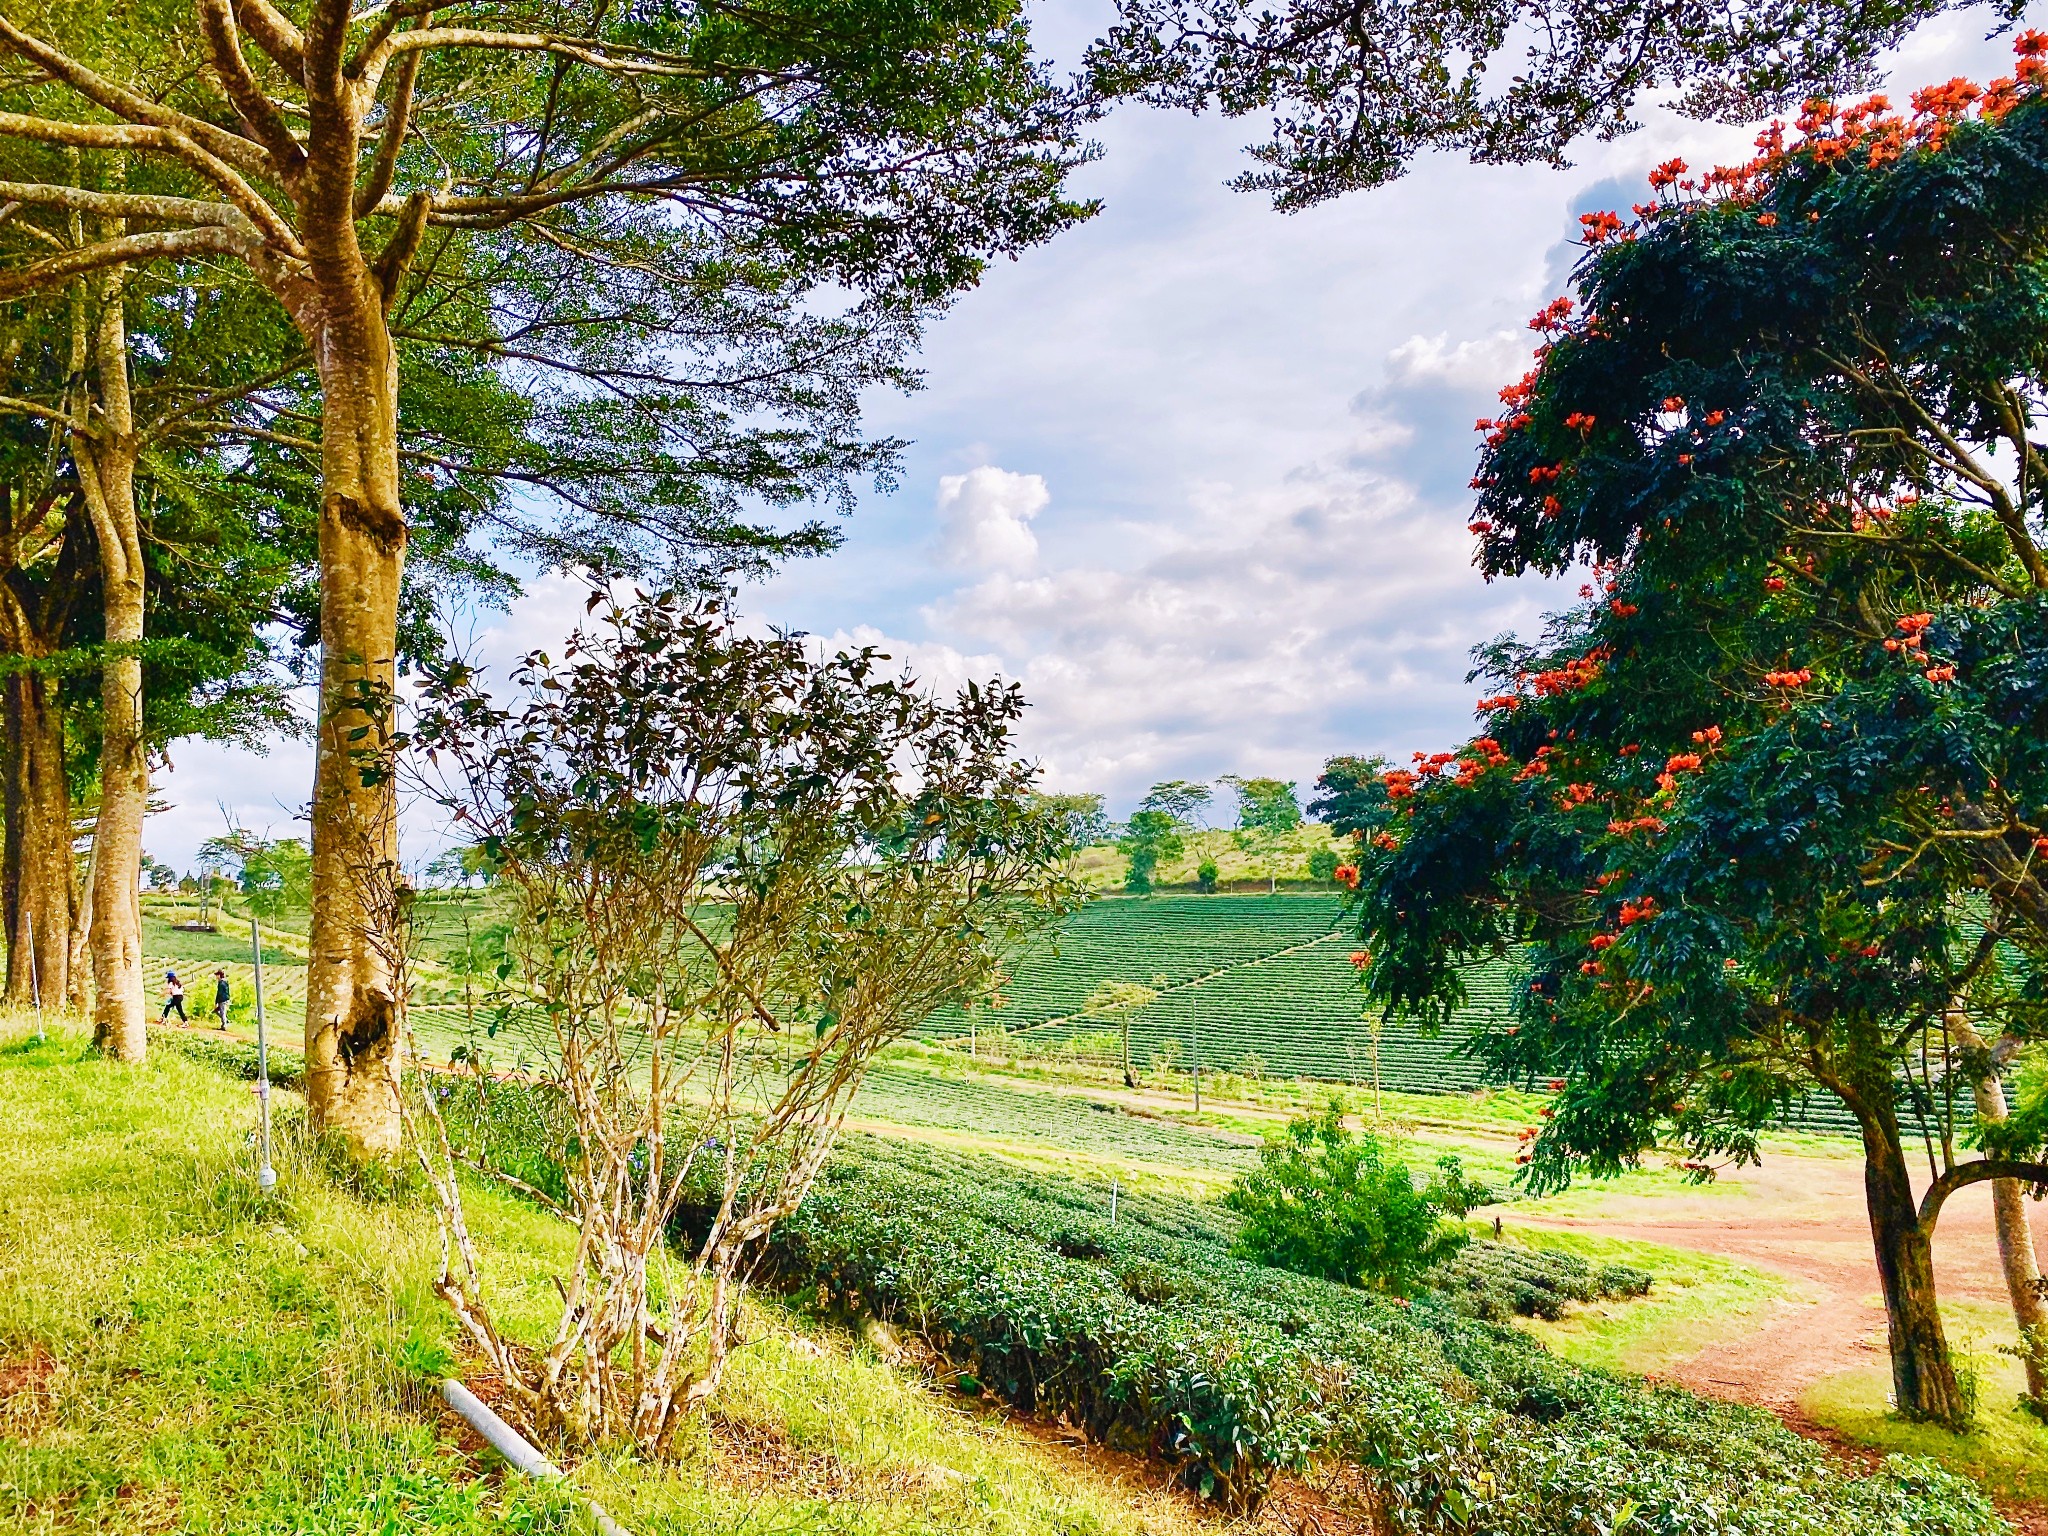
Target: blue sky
{"type": "Point", "coordinates": [1194, 473]}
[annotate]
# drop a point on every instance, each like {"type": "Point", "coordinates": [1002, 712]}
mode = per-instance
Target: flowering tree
{"type": "Point", "coordinates": [1767, 811]}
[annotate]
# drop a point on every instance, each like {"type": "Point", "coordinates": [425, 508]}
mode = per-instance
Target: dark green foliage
{"type": "Point", "coordinates": [1339, 1205]}
{"type": "Point", "coordinates": [1206, 876]}
{"type": "Point", "coordinates": [1356, 89]}
{"type": "Point", "coordinates": [1149, 1335]}
{"type": "Point", "coordinates": [1495, 1281]}
{"type": "Point", "coordinates": [1146, 840]}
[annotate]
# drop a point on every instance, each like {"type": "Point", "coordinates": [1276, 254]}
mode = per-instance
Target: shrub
{"type": "Point", "coordinates": [1498, 1280]}
{"type": "Point", "coordinates": [1322, 864]}
{"type": "Point", "coordinates": [1206, 876]}
{"type": "Point", "coordinates": [1339, 1205]}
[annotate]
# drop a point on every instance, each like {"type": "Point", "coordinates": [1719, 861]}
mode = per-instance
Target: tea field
{"type": "Point", "coordinates": [1245, 984]}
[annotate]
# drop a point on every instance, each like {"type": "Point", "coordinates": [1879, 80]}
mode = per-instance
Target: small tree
{"type": "Point", "coordinates": [1147, 839]}
{"type": "Point", "coordinates": [1206, 876]}
{"type": "Point", "coordinates": [739, 871]}
{"type": "Point", "coordinates": [1327, 1202]}
{"type": "Point", "coordinates": [1267, 816]}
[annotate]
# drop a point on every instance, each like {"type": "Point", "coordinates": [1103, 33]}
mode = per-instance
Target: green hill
{"type": "Point", "coordinates": [1262, 984]}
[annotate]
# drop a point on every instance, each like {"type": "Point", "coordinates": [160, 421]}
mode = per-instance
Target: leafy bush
{"type": "Point", "coordinates": [1338, 1205]}
{"type": "Point", "coordinates": [1148, 1334]}
{"type": "Point", "coordinates": [1499, 1280]}
{"type": "Point", "coordinates": [1206, 876]}
{"type": "Point", "coordinates": [1322, 864]}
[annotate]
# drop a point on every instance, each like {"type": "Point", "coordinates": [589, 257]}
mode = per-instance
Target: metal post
{"type": "Point", "coordinates": [35, 982]}
{"type": "Point", "coordinates": [1112, 1199]}
{"type": "Point", "coordinates": [266, 1176]}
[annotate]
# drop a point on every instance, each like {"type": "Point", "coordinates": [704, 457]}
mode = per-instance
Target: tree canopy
{"type": "Point", "coordinates": [1765, 813]}
{"type": "Point", "coordinates": [1356, 91]}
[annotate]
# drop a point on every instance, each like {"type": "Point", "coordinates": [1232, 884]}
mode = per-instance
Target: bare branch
{"type": "Point", "coordinates": [125, 205]}
{"type": "Point", "coordinates": [123, 103]}
{"type": "Point", "coordinates": [274, 34]}
{"type": "Point", "coordinates": [54, 271]}
{"type": "Point", "coordinates": [252, 103]}
{"type": "Point", "coordinates": [397, 119]}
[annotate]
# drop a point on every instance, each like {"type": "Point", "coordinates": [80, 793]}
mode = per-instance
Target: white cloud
{"type": "Point", "coordinates": [985, 519]}
{"type": "Point", "coordinates": [1476, 364]}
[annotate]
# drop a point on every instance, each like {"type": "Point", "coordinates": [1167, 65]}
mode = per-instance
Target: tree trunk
{"type": "Point", "coordinates": [106, 463]}
{"type": "Point", "coordinates": [354, 1045]}
{"type": "Point", "coordinates": [1924, 1384]}
{"type": "Point", "coordinates": [38, 874]}
{"type": "Point", "coordinates": [2015, 1231]}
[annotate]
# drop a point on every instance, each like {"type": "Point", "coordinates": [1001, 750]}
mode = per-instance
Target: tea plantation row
{"type": "Point", "coordinates": [1148, 1335]}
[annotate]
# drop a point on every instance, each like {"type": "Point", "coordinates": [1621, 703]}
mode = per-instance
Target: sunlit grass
{"type": "Point", "coordinates": [182, 1353]}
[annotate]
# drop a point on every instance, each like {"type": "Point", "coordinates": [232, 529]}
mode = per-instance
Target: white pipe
{"type": "Point", "coordinates": [512, 1445]}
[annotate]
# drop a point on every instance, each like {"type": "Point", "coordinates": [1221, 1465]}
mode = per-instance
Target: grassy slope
{"type": "Point", "coordinates": [177, 1354]}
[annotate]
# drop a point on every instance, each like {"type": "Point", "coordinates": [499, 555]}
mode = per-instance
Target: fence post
{"type": "Point", "coordinates": [266, 1176]}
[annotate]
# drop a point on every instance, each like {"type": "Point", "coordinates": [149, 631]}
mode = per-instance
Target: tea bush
{"type": "Point", "coordinates": [1149, 1335]}
{"type": "Point", "coordinates": [1497, 1280]}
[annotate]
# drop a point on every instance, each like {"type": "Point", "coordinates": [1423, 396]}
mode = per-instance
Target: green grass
{"type": "Point", "coordinates": [2006, 1451]}
{"type": "Point", "coordinates": [1697, 1300]}
{"type": "Point", "coordinates": [178, 1353]}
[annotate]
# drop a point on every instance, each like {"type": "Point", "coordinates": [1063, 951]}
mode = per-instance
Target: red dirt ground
{"type": "Point", "coordinates": [1806, 1221]}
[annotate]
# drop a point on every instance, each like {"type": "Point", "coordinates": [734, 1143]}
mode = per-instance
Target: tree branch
{"type": "Point", "coordinates": [275, 35]}
{"type": "Point", "coordinates": [397, 119]}
{"type": "Point", "coordinates": [125, 205]}
{"type": "Point", "coordinates": [125, 104]}
{"type": "Point", "coordinates": [208, 240]}
{"type": "Point", "coordinates": [1976, 1172]}
{"type": "Point", "coordinates": [251, 102]}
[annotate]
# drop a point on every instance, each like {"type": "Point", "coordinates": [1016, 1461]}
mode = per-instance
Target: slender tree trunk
{"type": "Point", "coordinates": [1924, 1384]}
{"type": "Point", "coordinates": [2015, 1232]}
{"type": "Point", "coordinates": [38, 882]}
{"type": "Point", "coordinates": [354, 1046]}
{"type": "Point", "coordinates": [106, 462]}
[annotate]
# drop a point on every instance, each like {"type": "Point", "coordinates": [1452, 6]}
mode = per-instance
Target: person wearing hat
{"type": "Point", "coordinates": [174, 998]}
{"type": "Point", "coordinates": [221, 994]}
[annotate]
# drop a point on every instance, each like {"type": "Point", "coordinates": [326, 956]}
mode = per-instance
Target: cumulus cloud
{"type": "Point", "coordinates": [1480, 363]}
{"type": "Point", "coordinates": [985, 519]}
{"type": "Point", "coordinates": [1256, 631]}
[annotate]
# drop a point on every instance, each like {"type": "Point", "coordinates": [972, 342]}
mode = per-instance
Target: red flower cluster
{"type": "Point", "coordinates": [1634, 825]}
{"type": "Point", "coordinates": [1544, 474]}
{"type": "Point", "coordinates": [1715, 418]}
{"type": "Point", "coordinates": [1639, 910]}
{"type": "Point", "coordinates": [1624, 610]}
{"type": "Point", "coordinates": [1575, 674]}
{"type": "Point", "coordinates": [1386, 842]}
{"type": "Point", "coordinates": [1497, 701]}
{"type": "Point", "coordinates": [1600, 227]}
{"type": "Point", "coordinates": [1679, 762]}
{"type": "Point", "coordinates": [1552, 316]}
{"type": "Point", "coordinates": [1579, 422]}
{"type": "Point", "coordinates": [1601, 940]}
{"type": "Point", "coordinates": [1774, 583]}
{"type": "Point", "coordinates": [1667, 173]}
{"type": "Point", "coordinates": [1709, 738]}
{"type": "Point", "coordinates": [1400, 783]}
{"type": "Point", "coordinates": [1674, 402]}
{"type": "Point", "coordinates": [1552, 506]}
{"type": "Point", "coordinates": [1945, 674]}
{"type": "Point", "coordinates": [1794, 679]}
{"type": "Point", "coordinates": [1579, 794]}
{"type": "Point", "coordinates": [1346, 874]}
{"type": "Point", "coordinates": [1361, 958]}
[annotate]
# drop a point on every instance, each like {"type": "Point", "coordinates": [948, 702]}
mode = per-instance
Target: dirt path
{"type": "Point", "coordinates": [1804, 1218]}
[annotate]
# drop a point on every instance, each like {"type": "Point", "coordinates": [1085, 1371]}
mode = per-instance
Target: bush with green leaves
{"type": "Point", "coordinates": [1496, 1281]}
{"type": "Point", "coordinates": [1341, 1205]}
{"type": "Point", "coordinates": [1148, 1334]}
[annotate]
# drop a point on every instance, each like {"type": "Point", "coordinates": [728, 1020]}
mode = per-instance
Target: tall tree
{"type": "Point", "coordinates": [656, 148]}
{"type": "Point", "coordinates": [1765, 810]}
{"type": "Point", "coordinates": [1355, 91]}
{"type": "Point", "coordinates": [1268, 814]}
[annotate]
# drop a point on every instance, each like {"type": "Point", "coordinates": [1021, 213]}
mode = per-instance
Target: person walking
{"type": "Point", "coordinates": [221, 994]}
{"type": "Point", "coordinates": [174, 998]}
